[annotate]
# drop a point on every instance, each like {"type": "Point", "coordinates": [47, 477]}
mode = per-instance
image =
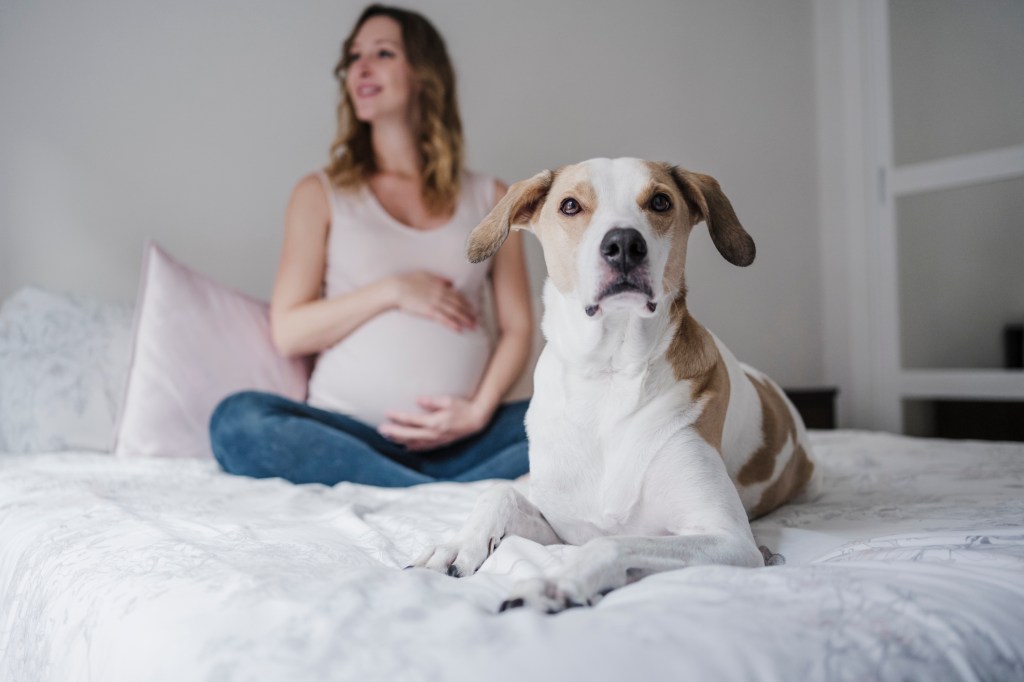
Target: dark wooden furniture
{"type": "Point", "coordinates": [816, 405]}
{"type": "Point", "coordinates": [979, 419]}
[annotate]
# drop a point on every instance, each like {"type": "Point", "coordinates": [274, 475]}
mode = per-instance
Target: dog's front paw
{"type": "Point", "coordinates": [439, 558]}
{"type": "Point", "coordinates": [459, 558]}
{"type": "Point", "coordinates": [548, 596]}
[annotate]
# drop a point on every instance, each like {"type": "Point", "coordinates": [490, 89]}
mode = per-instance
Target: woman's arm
{"type": "Point", "coordinates": [303, 323]}
{"type": "Point", "coordinates": [515, 327]}
{"type": "Point", "coordinates": [450, 418]}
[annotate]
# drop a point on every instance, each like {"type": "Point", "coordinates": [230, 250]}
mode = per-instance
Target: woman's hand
{"type": "Point", "coordinates": [446, 419]}
{"type": "Point", "coordinates": [433, 297]}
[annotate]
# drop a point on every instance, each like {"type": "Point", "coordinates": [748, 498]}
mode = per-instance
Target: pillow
{"type": "Point", "coordinates": [196, 341]}
{"type": "Point", "coordinates": [63, 360]}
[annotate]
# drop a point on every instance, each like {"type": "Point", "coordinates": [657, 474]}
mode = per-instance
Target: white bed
{"type": "Point", "coordinates": [909, 566]}
{"type": "Point", "coordinates": [129, 568]}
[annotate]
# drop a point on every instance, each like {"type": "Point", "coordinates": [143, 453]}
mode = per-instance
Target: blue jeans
{"type": "Point", "coordinates": [265, 435]}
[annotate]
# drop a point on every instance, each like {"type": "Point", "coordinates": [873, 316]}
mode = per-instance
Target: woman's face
{"type": "Point", "coordinates": [379, 79]}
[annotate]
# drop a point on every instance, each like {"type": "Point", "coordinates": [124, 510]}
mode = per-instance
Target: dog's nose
{"type": "Point", "coordinates": [623, 248]}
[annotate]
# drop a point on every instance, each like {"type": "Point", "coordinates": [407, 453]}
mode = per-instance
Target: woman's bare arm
{"type": "Point", "coordinates": [515, 325]}
{"type": "Point", "coordinates": [301, 321]}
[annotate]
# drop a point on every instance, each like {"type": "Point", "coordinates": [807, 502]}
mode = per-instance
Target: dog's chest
{"type": "Point", "coordinates": [591, 443]}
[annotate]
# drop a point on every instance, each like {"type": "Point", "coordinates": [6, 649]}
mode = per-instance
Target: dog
{"type": "Point", "coordinates": [650, 444]}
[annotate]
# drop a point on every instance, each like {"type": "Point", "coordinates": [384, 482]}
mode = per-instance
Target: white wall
{"type": "Point", "coordinates": [190, 121]}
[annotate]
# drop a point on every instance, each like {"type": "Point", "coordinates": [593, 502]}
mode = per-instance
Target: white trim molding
{"type": "Point", "coordinates": [958, 171]}
{"type": "Point", "coordinates": [843, 197]}
{"type": "Point", "coordinates": [969, 384]}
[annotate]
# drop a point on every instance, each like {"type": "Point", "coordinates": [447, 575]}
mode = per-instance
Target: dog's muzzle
{"type": "Point", "coordinates": [624, 250]}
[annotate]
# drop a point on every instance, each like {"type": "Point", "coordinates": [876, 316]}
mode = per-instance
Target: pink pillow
{"type": "Point", "coordinates": [196, 341]}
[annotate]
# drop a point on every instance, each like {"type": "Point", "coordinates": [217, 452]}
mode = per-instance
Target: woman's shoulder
{"type": "Point", "coordinates": [312, 184]}
{"type": "Point", "coordinates": [310, 202]}
{"type": "Point", "coordinates": [317, 187]}
{"type": "Point", "coordinates": [312, 191]}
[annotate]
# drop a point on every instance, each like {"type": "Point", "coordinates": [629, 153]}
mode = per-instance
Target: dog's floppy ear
{"type": "Point", "coordinates": [515, 211]}
{"type": "Point", "coordinates": [713, 207]}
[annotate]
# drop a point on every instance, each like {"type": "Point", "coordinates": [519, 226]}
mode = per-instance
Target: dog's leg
{"type": "Point", "coordinates": [607, 563]}
{"type": "Point", "coordinates": [501, 510]}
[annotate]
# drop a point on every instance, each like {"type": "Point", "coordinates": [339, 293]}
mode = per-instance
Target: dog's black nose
{"type": "Point", "coordinates": [623, 248]}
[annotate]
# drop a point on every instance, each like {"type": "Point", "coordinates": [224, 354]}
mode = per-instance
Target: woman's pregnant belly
{"type": "Point", "coordinates": [392, 360]}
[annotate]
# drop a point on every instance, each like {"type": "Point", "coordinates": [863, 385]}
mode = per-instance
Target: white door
{"type": "Point", "coordinates": [931, 96]}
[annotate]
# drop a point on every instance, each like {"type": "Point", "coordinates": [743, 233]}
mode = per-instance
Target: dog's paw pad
{"type": "Point", "coordinates": [512, 604]}
{"type": "Point", "coordinates": [454, 571]}
{"type": "Point", "coordinates": [563, 604]}
{"type": "Point", "coordinates": [548, 596]}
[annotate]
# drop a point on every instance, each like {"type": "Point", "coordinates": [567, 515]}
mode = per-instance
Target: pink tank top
{"type": "Point", "coordinates": [396, 357]}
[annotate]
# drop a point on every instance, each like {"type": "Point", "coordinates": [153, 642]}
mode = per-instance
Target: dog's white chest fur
{"type": "Point", "coordinates": [603, 410]}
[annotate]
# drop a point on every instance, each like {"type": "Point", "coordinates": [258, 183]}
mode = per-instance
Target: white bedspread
{"type": "Point", "coordinates": [910, 566]}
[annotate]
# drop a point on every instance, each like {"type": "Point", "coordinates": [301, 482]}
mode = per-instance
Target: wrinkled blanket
{"type": "Point", "coordinates": [910, 565]}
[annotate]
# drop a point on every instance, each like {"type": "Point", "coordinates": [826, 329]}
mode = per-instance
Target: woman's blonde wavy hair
{"type": "Point", "coordinates": [439, 136]}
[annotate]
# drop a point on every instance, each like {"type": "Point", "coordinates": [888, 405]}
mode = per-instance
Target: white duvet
{"type": "Point", "coordinates": [909, 566]}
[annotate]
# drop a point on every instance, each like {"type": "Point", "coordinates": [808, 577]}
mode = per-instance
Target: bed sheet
{"type": "Point", "coordinates": [909, 565]}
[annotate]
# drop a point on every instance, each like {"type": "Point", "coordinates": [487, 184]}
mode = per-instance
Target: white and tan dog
{"type": "Point", "coordinates": [650, 444]}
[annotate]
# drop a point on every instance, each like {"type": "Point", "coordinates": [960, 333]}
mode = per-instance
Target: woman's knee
{"type": "Point", "coordinates": [238, 410]}
{"type": "Point", "coordinates": [236, 424]}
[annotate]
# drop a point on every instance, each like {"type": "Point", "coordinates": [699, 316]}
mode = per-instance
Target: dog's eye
{"type": "Point", "coordinates": [569, 206]}
{"type": "Point", "coordinates": [660, 202]}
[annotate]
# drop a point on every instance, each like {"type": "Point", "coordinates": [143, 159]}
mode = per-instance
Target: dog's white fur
{"type": "Point", "coordinates": [650, 445]}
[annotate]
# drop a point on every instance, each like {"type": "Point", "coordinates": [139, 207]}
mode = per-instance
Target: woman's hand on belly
{"type": "Point", "coordinates": [435, 298]}
{"type": "Point", "coordinates": [445, 419]}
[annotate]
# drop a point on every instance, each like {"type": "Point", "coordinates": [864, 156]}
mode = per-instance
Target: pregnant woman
{"type": "Point", "coordinates": [374, 281]}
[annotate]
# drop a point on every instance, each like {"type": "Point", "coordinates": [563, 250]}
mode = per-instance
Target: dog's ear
{"type": "Point", "coordinates": [515, 211]}
{"type": "Point", "coordinates": [712, 206]}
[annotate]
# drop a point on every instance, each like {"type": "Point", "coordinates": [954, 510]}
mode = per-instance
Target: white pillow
{"type": "Point", "coordinates": [63, 361]}
{"type": "Point", "coordinates": [195, 342]}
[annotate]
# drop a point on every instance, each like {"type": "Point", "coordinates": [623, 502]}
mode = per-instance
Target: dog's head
{"type": "Point", "coordinates": [614, 231]}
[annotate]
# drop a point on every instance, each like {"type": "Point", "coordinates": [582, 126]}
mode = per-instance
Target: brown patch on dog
{"type": "Point", "coordinates": [694, 357]}
{"type": "Point", "coordinates": [714, 389]}
{"type": "Point", "coordinates": [583, 192]}
{"type": "Point", "coordinates": [777, 426]}
{"type": "Point", "coordinates": [675, 266]}
{"type": "Point", "coordinates": [692, 352]}
{"type": "Point", "coordinates": [560, 234]}
{"type": "Point", "coordinates": [662, 182]}
{"type": "Point", "coordinates": [516, 210]}
{"type": "Point", "coordinates": [794, 477]}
